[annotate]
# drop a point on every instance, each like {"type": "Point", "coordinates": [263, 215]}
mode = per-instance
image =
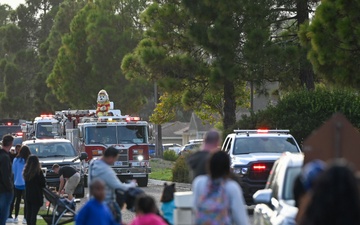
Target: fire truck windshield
{"type": "Point", "coordinates": [44, 130]}
{"type": "Point", "coordinates": [132, 134]}
{"type": "Point", "coordinates": [108, 135]}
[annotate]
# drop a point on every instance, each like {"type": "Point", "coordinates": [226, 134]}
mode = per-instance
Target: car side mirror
{"type": "Point", "coordinates": [83, 156]}
{"type": "Point", "coordinates": [263, 196]}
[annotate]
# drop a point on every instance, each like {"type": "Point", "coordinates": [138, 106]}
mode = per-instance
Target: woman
{"type": "Point", "coordinates": [335, 198]}
{"type": "Point", "coordinates": [34, 182]}
{"type": "Point", "coordinates": [19, 182]}
{"type": "Point", "coordinates": [218, 199]}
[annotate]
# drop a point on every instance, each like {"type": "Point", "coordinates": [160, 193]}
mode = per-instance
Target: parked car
{"type": "Point", "coordinates": [275, 203]}
{"type": "Point", "coordinates": [152, 151]}
{"type": "Point", "coordinates": [61, 152]}
{"type": "Point", "coordinates": [173, 146]}
{"type": "Point", "coordinates": [253, 153]}
{"type": "Point", "coordinates": [191, 147]}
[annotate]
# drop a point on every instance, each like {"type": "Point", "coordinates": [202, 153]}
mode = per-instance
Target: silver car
{"type": "Point", "coordinates": [275, 203]}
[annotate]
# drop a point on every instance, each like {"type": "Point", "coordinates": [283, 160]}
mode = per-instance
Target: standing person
{"type": "Point", "coordinates": [95, 211]}
{"type": "Point", "coordinates": [217, 198]}
{"type": "Point", "coordinates": [19, 182]}
{"type": "Point", "coordinates": [34, 183]}
{"type": "Point", "coordinates": [6, 179]}
{"type": "Point", "coordinates": [101, 169]}
{"type": "Point", "coordinates": [197, 161]}
{"type": "Point", "coordinates": [167, 202]}
{"type": "Point", "coordinates": [146, 212]}
{"type": "Point", "coordinates": [13, 154]}
{"type": "Point", "coordinates": [335, 197]}
{"type": "Point", "coordinates": [69, 179]}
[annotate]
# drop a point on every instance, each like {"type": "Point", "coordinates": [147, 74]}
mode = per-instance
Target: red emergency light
{"type": "Point", "coordinates": [261, 130]}
{"type": "Point", "coordinates": [9, 124]}
{"type": "Point", "coordinates": [19, 134]}
{"type": "Point", "coordinates": [259, 167]}
{"type": "Point", "coordinates": [130, 118]}
{"type": "Point", "coordinates": [44, 115]}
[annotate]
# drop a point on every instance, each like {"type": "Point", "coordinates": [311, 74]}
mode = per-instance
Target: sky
{"type": "Point", "coordinates": [12, 3]}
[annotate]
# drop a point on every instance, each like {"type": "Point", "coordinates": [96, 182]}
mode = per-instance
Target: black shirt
{"type": "Point", "coordinates": [6, 176]}
{"type": "Point", "coordinates": [34, 189]}
{"type": "Point", "coordinates": [67, 171]}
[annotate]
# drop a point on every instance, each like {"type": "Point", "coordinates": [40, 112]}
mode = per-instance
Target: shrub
{"type": "Point", "coordinates": [303, 111]}
{"type": "Point", "coordinates": [180, 170]}
{"type": "Point", "coordinates": [170, 155]}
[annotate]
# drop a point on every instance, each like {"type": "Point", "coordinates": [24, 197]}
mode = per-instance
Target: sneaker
{"type": "Point", "coordinates": [10, 220]}
{"type": "Point", "coordinates": [16, 220]}
{"type": "Point", "coordinates": [24, 221]}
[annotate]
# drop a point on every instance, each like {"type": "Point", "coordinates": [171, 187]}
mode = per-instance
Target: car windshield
{"type": "Point", "coordinates": [116, 134]}
{"type": "Point", "coordinates": [44, 130]}
{"type": "Point", "coordinates": [291, 174]}
{"type": "Point", "coordinates": [53, 149]}
{"type": "Point", "coordinates": [248, 145]}
{"type": "Point", "coordinates": [100, 135]}
{"type": "Point", "coordinates": [132, 134]}
{"type": "Point", "coordinates": [9, 130]}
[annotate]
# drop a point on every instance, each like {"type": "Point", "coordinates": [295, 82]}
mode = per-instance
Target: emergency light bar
{"type": "Point", "coordinates": [130, 118]}
{"type": "Point", "coordinates": [261, 131]}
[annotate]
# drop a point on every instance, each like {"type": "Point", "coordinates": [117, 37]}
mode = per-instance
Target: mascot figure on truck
{"type": "Point", "coordinates": [103, 103]}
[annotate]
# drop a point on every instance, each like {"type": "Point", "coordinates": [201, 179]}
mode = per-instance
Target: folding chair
{"type": "Point", "coordinates": [63, 211]}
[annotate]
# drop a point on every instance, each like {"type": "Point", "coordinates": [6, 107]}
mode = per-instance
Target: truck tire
{"type": "Point", "coordinates": [143, 182]}
{"type": "Point", "coordinates": [85, 180]}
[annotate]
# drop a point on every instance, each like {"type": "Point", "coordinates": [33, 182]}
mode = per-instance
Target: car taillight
{"type": "Point", "coordinates": [259, 167]}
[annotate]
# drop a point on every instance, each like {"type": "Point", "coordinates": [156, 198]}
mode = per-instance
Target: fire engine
{"type": "Point", "coordinates": [43, 127]}
{"type": "Point", "coordinates": [92, 134]}
{"type": "Point", "coordinates": [10, 126]}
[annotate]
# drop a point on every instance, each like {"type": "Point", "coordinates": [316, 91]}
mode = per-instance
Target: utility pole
{"type": "Point", "coordinates": [158, 134]}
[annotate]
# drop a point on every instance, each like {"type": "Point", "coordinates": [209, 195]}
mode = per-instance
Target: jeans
{"type": "Point", "coordinates": [5, 201]}
{"type": "Point", "coordinates": [31, 213]}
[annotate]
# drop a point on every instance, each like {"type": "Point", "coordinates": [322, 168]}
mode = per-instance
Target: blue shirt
{"type": "Point", "coordinates": [95, 213]}
{"type": "Point", "coordinates": [167, 209]}
{"type": "Point", "coordinates": [17, 168]}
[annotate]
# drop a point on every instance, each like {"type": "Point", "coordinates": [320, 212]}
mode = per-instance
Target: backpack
{"type": "Point", "coordinates": [213, 206]}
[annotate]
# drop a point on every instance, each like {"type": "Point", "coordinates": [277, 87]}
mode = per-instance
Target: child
{"type": "Point", "coordinates": [146, 212]}
{"type": "Point", "coordinates": [167, 199]}
{"type": "Point", "coordinates": [95, 211]}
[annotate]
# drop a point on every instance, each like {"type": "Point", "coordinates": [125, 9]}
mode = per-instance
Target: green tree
{"type": "Point", "coordinates": [333, 39]}
{"type": "Point", "coordinates": [187, 72]}
{"type": "Point", "coordinates": [100, 35]}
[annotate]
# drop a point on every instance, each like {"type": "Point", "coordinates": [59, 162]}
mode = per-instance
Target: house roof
{"type": "Point", "coordinates": [174, 129]}
{"type": "Point", "coordinates": [196, 124]}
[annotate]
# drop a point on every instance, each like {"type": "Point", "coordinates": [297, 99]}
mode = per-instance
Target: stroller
{"type": "Point", "coordinates": [63, 210]}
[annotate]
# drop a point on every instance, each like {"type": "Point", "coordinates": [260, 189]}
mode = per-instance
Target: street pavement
{"type": "Point", "coordinates": [154, 188]}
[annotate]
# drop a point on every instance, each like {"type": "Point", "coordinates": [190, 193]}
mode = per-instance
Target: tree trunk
{"type": "Point", "coordinates": [306, 74]}
{"type": "Point", "coordinates": [229, 104]}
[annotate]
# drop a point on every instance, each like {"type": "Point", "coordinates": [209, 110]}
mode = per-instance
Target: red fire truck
{"type": "Point", "coordinates": [92, 134]}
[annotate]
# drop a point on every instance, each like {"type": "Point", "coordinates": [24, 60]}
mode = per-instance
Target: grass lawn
{"type": "Point", "coordinates": [161, 169]}
{"type": "Point", "coordinates": [39, 221]}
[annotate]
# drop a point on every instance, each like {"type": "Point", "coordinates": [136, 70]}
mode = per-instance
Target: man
{"type": "Point", "coordinates": [6, 179]}
{"type": "Point", "coordinates": [101, 169]}
{"type": "Point", "coordinates": [197, 161]}
{"type": "Point", "coordinates": [69, 179]}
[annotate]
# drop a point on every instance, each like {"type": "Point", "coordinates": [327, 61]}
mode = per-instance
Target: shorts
{"type": "Point", "coordinates": [72, 183]}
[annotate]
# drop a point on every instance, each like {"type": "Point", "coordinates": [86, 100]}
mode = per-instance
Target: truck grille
{"type": "Point", "coordinates": [260, 175]}
{"type": "Point", "coordinates": [123, 157]}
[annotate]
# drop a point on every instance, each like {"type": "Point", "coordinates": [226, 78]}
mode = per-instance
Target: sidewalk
{"type": "Point", "coordinates": [21, 217]}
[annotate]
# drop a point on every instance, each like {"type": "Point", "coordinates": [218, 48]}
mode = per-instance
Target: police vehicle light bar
{"type": "Point", "coordinates": [261, 131]}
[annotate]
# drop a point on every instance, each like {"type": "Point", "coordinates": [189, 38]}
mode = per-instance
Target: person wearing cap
{"type": "Point", "coordinates": [101, 169]}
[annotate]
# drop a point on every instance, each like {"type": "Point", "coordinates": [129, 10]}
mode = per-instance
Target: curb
{"type": "Point", "coordinates": [178, 185]}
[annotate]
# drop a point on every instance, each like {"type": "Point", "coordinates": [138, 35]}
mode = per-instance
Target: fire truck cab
{"type": "Point", "coordinates": [43, 127]}
{"type": "Point", "coordinates": [92, 134]}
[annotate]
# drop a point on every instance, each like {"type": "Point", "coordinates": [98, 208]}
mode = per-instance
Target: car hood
{"type": "Point", "coordinates": [58, 160]}
{"type": "Point", "coordinates": [245, 159]}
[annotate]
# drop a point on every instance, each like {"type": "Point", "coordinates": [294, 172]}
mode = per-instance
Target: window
{"type": "Point", "coordinates": [53, 149]}
{"type": "Point", "coordinates": [132, 134]}
{"type": "Point", "coordinates": [291, 174]}
{"type": "Point", "coordinates": [44, 130]}
{"type": "Point", "coordinates": [100, 135]}
{"type": "Point", "coordinates": [248, 145]}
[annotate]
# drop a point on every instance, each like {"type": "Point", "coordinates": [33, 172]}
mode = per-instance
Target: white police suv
{"type": "Point", "coordinates": [253, 153]}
